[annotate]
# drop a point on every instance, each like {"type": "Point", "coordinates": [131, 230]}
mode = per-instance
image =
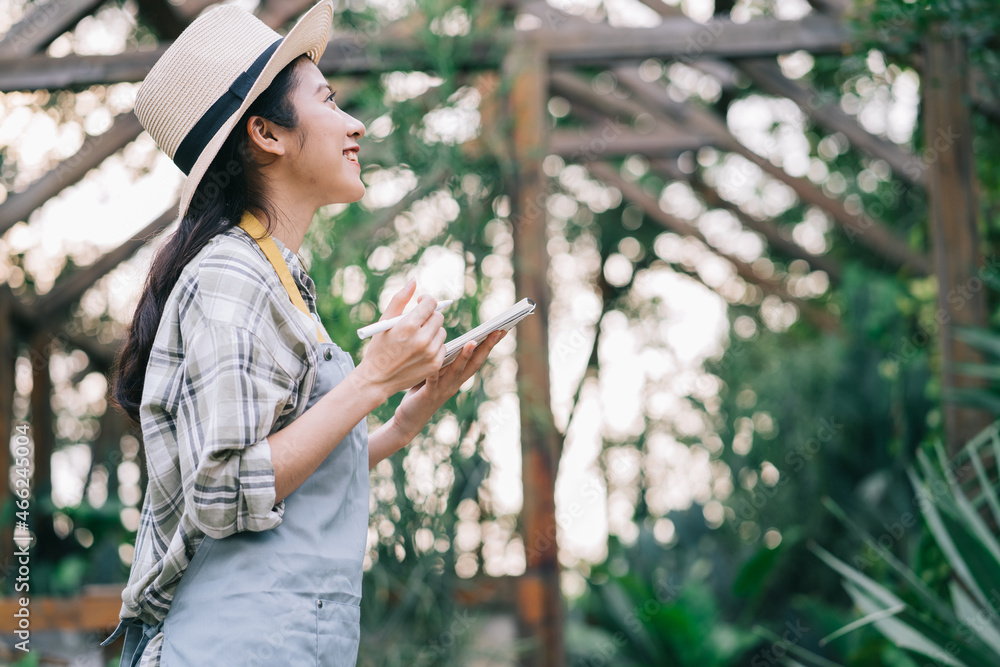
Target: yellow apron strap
{"type": "Point", "coordinates": [252, 226]}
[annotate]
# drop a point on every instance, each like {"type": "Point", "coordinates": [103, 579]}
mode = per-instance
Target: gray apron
{"type": "Point", "coordinates": [289, 595]}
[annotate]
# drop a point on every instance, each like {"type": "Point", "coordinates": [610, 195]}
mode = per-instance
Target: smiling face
{"type": "Point", "coordinates": [317, 162]}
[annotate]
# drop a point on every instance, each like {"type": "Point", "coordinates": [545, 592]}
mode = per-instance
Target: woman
{"type": "Point", "coordinates": [255, 519]}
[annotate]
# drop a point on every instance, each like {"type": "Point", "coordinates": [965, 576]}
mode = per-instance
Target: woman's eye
{"type": "Point", "coordinates": [330, 97]}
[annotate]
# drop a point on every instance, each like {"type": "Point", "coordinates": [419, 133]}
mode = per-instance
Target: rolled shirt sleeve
{"type": "Point", "coordinates": [233, 394]}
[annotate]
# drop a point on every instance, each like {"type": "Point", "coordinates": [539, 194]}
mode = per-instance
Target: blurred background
{"type": "Point", "coordinates": [750, 421]}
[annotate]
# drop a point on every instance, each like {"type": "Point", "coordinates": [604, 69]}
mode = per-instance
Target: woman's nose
{"type": "Point", "coordinates": [357, 128]}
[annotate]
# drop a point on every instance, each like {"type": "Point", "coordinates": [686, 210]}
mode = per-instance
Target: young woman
{"type": "Point", "coordinates": [255, 519]}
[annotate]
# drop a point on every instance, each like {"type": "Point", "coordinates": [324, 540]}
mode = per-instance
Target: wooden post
{"type": "Point", "coordinates": [953, 222]}
{"type": "Point", "coordinates": [42, 421]}
{"type": "Point", "coordinates": [8, 359]}
{"type": "Point", "coordinates": [540, 608]}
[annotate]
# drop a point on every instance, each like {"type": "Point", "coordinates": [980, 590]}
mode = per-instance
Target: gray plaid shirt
{"type": "Point", "coordinates": [233, 361]}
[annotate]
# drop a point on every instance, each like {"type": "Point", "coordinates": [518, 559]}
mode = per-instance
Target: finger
{"type": "Point", "coordinates": [432, 333]}
{"type": "Point", "coordinates": [399, 300]}
{"type": "Point", "coordinates": [439, 359]}
{"type": "Point", "coordinates": [457, 367]}
{"type": "Point", "coordinates": [426, 310]}
{"type": "Point", "coordinates": [433, 379]}
{"type": "Point", "coordinates": [439, 335]}
{"type": "Point", "coordinates": [484, 348]}
{"type": "Point", "coordinates": [433, 322]}
{"type": "Point", "coordinates": [413, 322]}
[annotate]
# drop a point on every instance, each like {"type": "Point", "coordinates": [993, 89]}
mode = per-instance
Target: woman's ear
{"type": "Point", "coordinates": [264, 137]}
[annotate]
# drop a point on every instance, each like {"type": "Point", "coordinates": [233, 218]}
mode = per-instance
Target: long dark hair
{"type": "Point", "coordinates": [232, 184]}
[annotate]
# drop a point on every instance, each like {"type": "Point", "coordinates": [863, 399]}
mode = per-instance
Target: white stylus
{"type": "Point", "coordinates": [385, 325]}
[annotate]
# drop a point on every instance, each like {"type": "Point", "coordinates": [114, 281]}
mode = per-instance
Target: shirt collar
{"type": "Point", "coordinates": [295, 267]}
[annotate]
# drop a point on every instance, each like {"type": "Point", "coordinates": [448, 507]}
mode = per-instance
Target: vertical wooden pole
{"type": "Point", "coordinates": [8, 359]}
{"type": "Point", "coordinates": [954, 213]}
{"type": "Point", "coordinates": [42, 431]}
{"type": "Point", "coordinates": [540, 611]}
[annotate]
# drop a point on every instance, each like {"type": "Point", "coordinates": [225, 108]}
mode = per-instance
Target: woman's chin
{"type": "Point", "coordinates": [361, 190]}
{"type": "Point", "coordinates": [349, 195]}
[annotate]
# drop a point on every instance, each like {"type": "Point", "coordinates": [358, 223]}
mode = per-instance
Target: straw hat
{"type": "Point", "coordinates": [203, 83]}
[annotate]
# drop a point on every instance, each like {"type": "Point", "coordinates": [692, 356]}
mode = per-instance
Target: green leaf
{"type": "Point", "coordinates": [908, 575]}
{"type": "Point", "coordinates": [979, 398]}
{"type": "Point", "coordinates": [902, 634]}
{"type": "Point", "coordinates": [754, 573]}
{"type": "Point", "coordinates": [971, 519]}
{"type": "Point", "coordinates": [944, 540]}
{"type": "Point", "coordinates": [987, 491]}
{"type": "Point", "coordinates": [861, 622]}
{"type": "Point", "coordinates": [979, 338]}
{"type": "Point", "coordinates": [981, 621]}
{"type": "Point", "coordinates": [988, 371]}
{"type": "Point", "coordinates": [875, 589]}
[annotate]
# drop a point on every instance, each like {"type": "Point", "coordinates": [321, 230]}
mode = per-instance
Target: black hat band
{"type": "Point", "coordinates": [217, 115]}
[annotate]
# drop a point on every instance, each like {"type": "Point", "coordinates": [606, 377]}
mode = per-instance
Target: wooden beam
{"type": "Point", "coordinates": [775, 239]}
{"type": "Point", "coordinates": [576, 42]}
{"type": "Point", "coordinates": [67, 291]}
{"type": "Point", "coordinates": [75, 72]}
{"type": "Point", "coordinates": [96, 607]}
{"type": "Point", "coordinates": [576, 89]}
{"type": "Point", "coordinates": [596, 140]}
{"type": "Point", "coordinates": [94, 611]}
{"type": "Point", "coordinates": [650, 206]}
{"type": "Point", "coordinates": [766, 74]}
{"type": "Point", "coordinates": [721, 70]}
{"type": "Point", "coordinates": [861, 227]}
{"type": "Point", "coordinates": [24, 319]}
{"type": "Point", "coordinates": [599, 107]}
{"type": "Point", "coordinates": [275, 13]}
{"type": "Point", "coordinates": [42, 24]}
{"type": "Point", "coordinates": [831, 7]}
{"type": "Point", "coordinates": [345, 54]}
{"type": "Point", "coordinates": [582, 42]}
{"type": "Point", "coordinates": [540, 610]}
{"type": "Point", "coordinates": [953, 223]}
{"type": "Point", "coordinates": [95, 149]}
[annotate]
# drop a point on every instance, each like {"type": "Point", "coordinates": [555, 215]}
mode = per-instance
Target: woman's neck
{"type": "Point", "coordinates": [290, 222]}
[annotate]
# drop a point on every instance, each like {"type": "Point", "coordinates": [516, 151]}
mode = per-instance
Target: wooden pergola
{"type": "Point", "coordinates": [537, 64]}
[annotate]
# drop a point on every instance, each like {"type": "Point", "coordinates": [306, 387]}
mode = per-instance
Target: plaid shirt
{"type": "Point", "coordinates": [233, 361]}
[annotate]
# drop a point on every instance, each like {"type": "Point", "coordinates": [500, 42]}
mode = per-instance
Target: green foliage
{"type": "Point", "coordinates": [32, 659]}
{"type": "Point", "coordinates": [986, 397]}
{"type": "Point", "coordinates": [410, 617]}
{"type": "Point", "coordinates": [644, 606]}
{"type": "Point", "coordinates": [959, 625]}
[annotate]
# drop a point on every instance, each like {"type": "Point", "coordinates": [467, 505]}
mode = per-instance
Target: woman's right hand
{"type": "Point", "coordinates": [411, 350]}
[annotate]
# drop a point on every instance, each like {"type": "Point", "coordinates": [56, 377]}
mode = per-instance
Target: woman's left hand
{"type": "Point", "coordinates": [421, 401]}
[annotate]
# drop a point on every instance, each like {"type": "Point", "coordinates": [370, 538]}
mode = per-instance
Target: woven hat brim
{"type": "Point", "coordinates": [309, 35]}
